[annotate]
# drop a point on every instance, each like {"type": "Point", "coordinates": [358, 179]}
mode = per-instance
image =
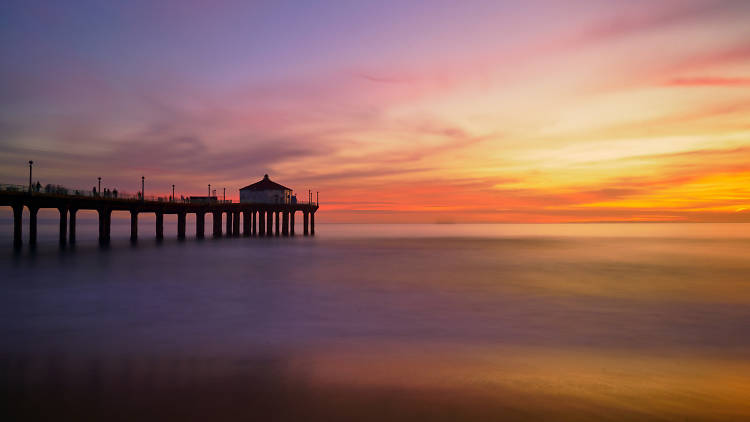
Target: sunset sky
{"type": "Point", "coordinates": [396, 111]}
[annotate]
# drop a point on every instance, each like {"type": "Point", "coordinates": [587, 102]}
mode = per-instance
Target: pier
{"type": "Point", "coordinates": [258, 219]}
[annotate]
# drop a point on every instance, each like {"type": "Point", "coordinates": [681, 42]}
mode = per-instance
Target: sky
{"type": "Point", "coordinates": [395, 111]}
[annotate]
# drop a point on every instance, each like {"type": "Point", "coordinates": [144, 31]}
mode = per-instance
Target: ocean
{"type": "Point", "coordinates": [380, 322]}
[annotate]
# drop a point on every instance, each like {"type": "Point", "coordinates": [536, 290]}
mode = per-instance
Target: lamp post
{"type": "Point", "coordinates": [99, 188]}
{"type": "Point", "coordinates": [317, 197]}
{"type": "Point", "coordinates": [143, 188]}
{"type": "Point", "coordinates": [31, 187]}
{"type": "Point", "coordinates": [209, 191]}
{"type": "Point", "coordinates": [172, 193]}
{"type": "Point", "coordinates": [225, 194]}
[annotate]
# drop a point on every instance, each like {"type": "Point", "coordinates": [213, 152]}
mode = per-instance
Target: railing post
{"type": "Point", "coordinates": [17, 226]}
{"type": "Point", "coordinates": [63, 226]}
{"type": "Point", "coordinates": [72, 227]}
{"type": "Point", "coordinates": [32, 225]}
{"type": "Point", "coordinates": [305, 222]}
{"type": "Point", "coordinates": [181, 222]}
{"type": "Point", "coordinates": [133, 225]}
{"type": "Point", "coordinates": [200, 224]}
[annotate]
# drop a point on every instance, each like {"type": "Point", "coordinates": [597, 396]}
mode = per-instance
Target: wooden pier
{"type": "Point", "coordinates": [258, 219]}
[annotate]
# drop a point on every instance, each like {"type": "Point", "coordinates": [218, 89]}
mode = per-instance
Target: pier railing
{"type": "Point", "coordinates": [58, 190]}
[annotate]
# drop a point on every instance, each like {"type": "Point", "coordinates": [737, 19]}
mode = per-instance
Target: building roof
{"type": "Point", "coordinates": [265, 184]}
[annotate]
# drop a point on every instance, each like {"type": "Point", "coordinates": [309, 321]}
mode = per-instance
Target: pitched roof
{"type": "Point", "coordinates": [265, 184]}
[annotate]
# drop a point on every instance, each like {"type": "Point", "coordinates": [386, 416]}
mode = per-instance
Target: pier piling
{"type": "Point", "coordinates": [258, 219]}
{"type": "Point", "coordinates": [63, 226]}
{"type": "Point", "coordinates": [17, 226]}
{"type": "Point", "coordinates": [200, 225]}
{"type": "Point", "coordinates": [217, 223]}
{"type": "Point", "coordinates": [104, 225]}
{"type": "Point", "coordinates": [32, 225]}
{"type": "Point", "coordinates": [181, 222]}
{"type": "Point", "coordinates": [159, 225]}
{"type": "Point", "coordinates": [235, 223]}
{"type": "Point", "coordinates": [133, 226]}
{"type": "Point", "coordinates": [72, 227]}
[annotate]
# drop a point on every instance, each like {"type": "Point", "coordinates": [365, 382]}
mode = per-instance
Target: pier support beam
{"type": "Point", "coordinates": [269, 223]}
{"type": "Point", "coordinates": [235, 223]}
{"type": "Point", "coordinates": [277, 222]}
{"type": "Point", "coordinates": [246, 223]}
{"type": "Point", "coordinates": [253, 224]}
{"type": "Point", "coordinates": [285, 223]}
{"type": "Point", "coordinates": [181, 222]}
{"type": "Point", "coordinates": [304, 223]}
{"type": "Point", "coordinates": [32, 225]}
{"type": "Point", "coordinates": [133, 226]}
{"type": "Point", "coordinates": [17, 226]}
{"type": "Point", "coordinates": [63, 226]}
{"type": "Point", "coordinates": [159, 225]}
{"type": "Point", "coordinates": [312, 223]}
{"type": "Point", "coordinates": [105, 216]}
{"type": "Point", "coordinates": [200, 225]}
{"type": "Point", "coordinates": [229, 223]}
{"type": "Point", "coordinates": [291, 223]}
{"type": "Point", "coordinates": [261, 224]}
{"type": "Point", "coordinates": [72, 227]}
{"type": "Point", "coordinates": [217, 223]}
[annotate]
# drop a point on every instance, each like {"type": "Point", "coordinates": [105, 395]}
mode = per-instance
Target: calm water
{"type": "Point", "coordinates": [382, 322]}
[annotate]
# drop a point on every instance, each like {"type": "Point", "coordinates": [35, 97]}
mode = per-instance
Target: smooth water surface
{"type": "Point", "coordinates": [383, 322]}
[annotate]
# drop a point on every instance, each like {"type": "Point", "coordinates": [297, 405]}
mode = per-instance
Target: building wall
{"type": "Point", "coordinates": [266, 196]}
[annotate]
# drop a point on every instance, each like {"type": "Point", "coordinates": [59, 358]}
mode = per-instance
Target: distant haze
{"type": "Point", "coordinates": [396, 111]}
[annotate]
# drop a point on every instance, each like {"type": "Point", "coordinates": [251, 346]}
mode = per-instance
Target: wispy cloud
{"type": "Point", "coordinates": [708, 81]}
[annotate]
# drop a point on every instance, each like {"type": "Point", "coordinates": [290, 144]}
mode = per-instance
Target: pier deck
{"type": "Point", "coordinates": [258, 219]}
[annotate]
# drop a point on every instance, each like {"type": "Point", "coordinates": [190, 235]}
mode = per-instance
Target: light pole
{"type": "Point", "coordinates": [99, 189]}
{"type": "Point", "coordinates": [31, 188]}
{"type": "Point", "coordinates": [317, 197]}
{"type": "Point", "coordinates": [225, 194]}
{"type": "Point", "coordinates": [209, 191]}
{"type": "Point", "coordinates": [172, 193]}
{"type": "Point", "coordinates": [143, 188]}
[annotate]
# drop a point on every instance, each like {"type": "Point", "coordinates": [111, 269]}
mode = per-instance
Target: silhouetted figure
{"type": "Point", "coordinates": [94, 190]}
{"type": "Point", "coordinates": [114, 193]}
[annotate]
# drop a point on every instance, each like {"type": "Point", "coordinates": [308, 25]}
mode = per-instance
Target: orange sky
{"type": "Point", "coordinates": [471, 112]}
